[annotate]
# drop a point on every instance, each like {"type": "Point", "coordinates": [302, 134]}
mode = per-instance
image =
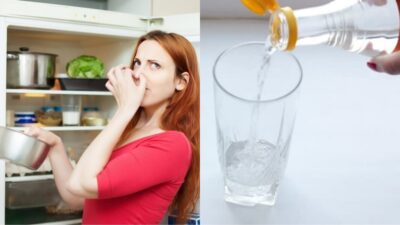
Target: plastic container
{"type": "Point", "coordinates": [369, 27]}
{"type": "Point", "coordinates": [92, 117]}
{"type": "Point", "coordinates": [24, 118]}
{"type": "Point", "coordinates": [49, 116]}
{"type": "Point", "coordinates": [29, 194]}
{"type": "Point", "coordinates": [81, 84]}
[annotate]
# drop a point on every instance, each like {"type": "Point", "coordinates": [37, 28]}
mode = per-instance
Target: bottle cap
{"type": "Point", "coordinates": [291, 24]}
{"type": "Point", "coordinates": [260, 7]}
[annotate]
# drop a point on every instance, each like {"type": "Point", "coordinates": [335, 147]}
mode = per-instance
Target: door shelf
{"type": "Point", "coordinates": [57, 92]}
{"type": "Point", "coordinates": [29, 178]}
{"type": "Point", "coordinates": [71, 128]}
{"type": "Point", "coordinates": [66, 222]}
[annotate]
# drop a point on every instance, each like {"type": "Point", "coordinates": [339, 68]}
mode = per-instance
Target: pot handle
{"type": "Point", "coordinates": [24, 49]}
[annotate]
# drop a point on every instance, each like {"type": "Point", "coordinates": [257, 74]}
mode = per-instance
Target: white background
{"type": "Point", "coordinates": [344, 161]}
{"type": "Point", "coordinates": [234, 8]}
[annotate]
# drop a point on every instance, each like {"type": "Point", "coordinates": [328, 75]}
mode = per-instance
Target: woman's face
{"type": "Point", "coordinates": [158, 68]}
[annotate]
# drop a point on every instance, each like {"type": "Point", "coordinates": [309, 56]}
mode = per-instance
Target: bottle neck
{"type": "Point", "coordinates": [329, 24]}
{"type": "Point", "coordinates": [354, 25]}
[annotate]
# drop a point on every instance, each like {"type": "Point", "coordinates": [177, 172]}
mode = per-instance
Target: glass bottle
{"type": "Point", "coordinates": [369, 27]}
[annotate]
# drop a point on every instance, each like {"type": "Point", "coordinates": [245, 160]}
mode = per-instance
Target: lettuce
{"type": "Point", "coordinates": [85, 66]}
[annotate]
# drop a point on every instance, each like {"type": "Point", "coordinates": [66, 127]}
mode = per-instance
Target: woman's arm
{"type": "Point", "coordinates": [76, 184]}
{"type": "Point", "coordinates": [83, 181]}
{"type": "Point", "coordinates": [79, 183]}
{"type": "Point", "coordinates": [128, 90]}
{"type": "Point", "coordinates": [61, 166]}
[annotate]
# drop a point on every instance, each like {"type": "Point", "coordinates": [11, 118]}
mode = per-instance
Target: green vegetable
{"type": "Point", "coordinates": [85, 66]}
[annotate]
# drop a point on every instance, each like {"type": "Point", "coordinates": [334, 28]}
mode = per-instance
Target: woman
{"type": "Point", "coordinates": [146, 159]}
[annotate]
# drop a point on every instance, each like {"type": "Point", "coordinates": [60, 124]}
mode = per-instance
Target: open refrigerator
{"type": "Point", "coordinates": [30, 197]}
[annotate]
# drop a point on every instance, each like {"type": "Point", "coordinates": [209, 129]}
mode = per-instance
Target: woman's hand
{"type": "Point", "coordinates": [43, 135]}
{"type": "Point", "coordinates": [389, 63]}
{"type": "Point", "coordinates": [127, 88]}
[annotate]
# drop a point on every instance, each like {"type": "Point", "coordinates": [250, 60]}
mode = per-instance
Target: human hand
{"type": "Point", "coordinates": [388, 63]}
{"type": "Point", "coordinates": [377, 2]}
{"type": "Point", "coordinates": [43, 135]}
{"type": "Point", "coordinates": [127, 88]}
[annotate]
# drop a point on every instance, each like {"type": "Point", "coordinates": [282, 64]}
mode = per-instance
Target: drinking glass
{"type": "Point", "coordinates": [255, 119]}
{"type": "Point", "coordinates": [71, 110]}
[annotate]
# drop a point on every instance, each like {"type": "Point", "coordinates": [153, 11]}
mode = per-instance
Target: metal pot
{"type": "Point", "coordinates": [22, 149]}
{"type": "Point", "coordinates": [30, 69]}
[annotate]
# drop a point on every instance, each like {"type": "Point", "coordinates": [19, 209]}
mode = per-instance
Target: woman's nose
{"type": "Point", "coordinates": [137, 71]}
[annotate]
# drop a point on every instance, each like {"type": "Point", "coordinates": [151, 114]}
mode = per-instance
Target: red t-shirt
{"type": "Point", "coordinates": [140, 180]}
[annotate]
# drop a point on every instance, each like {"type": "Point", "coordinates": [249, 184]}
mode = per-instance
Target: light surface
{"type": "Point", "coordinates": [65, 128]}
{"type": "Point", "coordinates": [344, 160]}
{"type": "Point", "coordinates": [235, 9]}
{"type": "Point", "coordinates": [58, 92]}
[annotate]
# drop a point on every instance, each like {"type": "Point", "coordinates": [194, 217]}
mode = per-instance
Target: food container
{"type": "Point", "coordinates": [22, 149]}
{"type": "Point", "coordinates": [49, 116]}
{"type": "Point", "coordinates": [92, 117]}
{"type": "Point", "coordinates": [83, 84]}
{"type": "Point", "coordinates": [30, 69]}
{"type": "Point", "coordinates": [24, 118]}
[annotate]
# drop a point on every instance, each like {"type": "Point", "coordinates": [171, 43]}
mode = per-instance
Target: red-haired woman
{"type": "Point", "coordinates": [146, 160]}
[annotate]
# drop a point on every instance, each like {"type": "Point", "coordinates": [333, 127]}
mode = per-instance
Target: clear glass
{"type": "Point", "coordinates": [254, 130]}
{"type": "Point", "coordinates": [71, 110]}
{"type": "Point", "coordinates": [368, 27]}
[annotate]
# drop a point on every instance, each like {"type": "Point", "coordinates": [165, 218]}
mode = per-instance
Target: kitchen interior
{"type": "Point", "coordinates": [52, 36]}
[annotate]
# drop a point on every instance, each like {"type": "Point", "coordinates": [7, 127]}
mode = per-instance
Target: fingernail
{"type": "Point", "coordinates": [372, 66]}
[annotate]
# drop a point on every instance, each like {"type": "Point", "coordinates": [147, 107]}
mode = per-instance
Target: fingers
{"type": "Point", "coordinates": [122, 75]}
{"type": "Point", "coordinates": [42, 135]}
{"type": "Point", "coordinates": [114, 76]}
{"type": "Point", "coordinates": [122, 66]}
{"type": "Point", "coordinates": [377, 2]}
{"type": "Point", "coordinates": [30, 130]}
{"type": "Point", "coordinates": [111, 76]}
{"type": "Point", "coordinates": [118, 73]}
{"type": "Point", "coordinates": [33, 131]}
{"type": "Point", "coordinates": [110, 87]}
{"type": "Point", "coordinates": [142, 82]}
{"type": "Point", "coordinates": [389, 63]}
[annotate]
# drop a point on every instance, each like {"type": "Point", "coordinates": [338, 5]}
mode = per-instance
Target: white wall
{"type": "Point", "coordinates": [235, 9]}
{"type": "Point", "coordinates": [344, 160]}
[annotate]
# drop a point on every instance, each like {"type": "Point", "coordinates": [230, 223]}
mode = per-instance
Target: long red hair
{"type": "Point", "coordinates": [182, 114]}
